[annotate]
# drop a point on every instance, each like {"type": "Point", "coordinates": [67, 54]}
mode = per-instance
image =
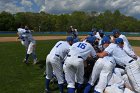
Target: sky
{"type": "Point", "coordinates": [127, 7]}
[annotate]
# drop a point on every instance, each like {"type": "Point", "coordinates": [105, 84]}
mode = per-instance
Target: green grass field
{"type": "Point", "coordinates": [17, 77]}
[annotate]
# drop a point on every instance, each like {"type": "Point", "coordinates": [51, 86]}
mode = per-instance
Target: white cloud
{"type": "Point", "coordinates": [128, 7]}
{"type": "Point", "coordinates": [26, 3]}
{"type": "Point", "coordinates": [9, 6]}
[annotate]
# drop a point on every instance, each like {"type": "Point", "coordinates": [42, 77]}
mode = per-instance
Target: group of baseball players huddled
{"type": "Point", "coordinates": [98, 63]}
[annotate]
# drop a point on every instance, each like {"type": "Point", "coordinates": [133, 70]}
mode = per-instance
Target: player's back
{"type": "Point", "coordinates": [61, 48]}
{"type": "Point", "coordinates": [118, 53]}
{"type": "Point", "coordinates": [82, 49]}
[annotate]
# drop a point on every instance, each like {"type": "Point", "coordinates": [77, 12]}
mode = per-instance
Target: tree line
{"type": "Point", "coordinates": [83, 21]}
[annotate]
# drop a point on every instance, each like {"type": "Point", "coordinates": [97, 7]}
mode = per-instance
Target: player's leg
{"type": "Point", "coordinates": [95, 74]}
{"type": "Point", "coordinates": [34, 54]}
{"type": "Point", "coordinates": [133, 72]}
{"type": "Point", "coordinates": [105, 76]}
{"type": "Point", "coordinates": [58, 71]}
{"type": "Point", "coordinates": [49, 73]}
{"type": "Point", "coordinates": [113, 89]}
{"type": "Point", "coordinates": [70, 71]}
{"type": "Point", "coordinates": [80, 75]}
{"type": "Point", "coordinates": [29, 51]}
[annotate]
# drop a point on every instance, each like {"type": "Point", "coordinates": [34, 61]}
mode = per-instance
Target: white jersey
{"type": "Point", "coordinates": [61, 48]}
{"type": "Point", "coordinates": [82, 49]}
{"type": "Point", "coordinates": [125, 40]}
{"type": "Point", "coordinates": [129, 51]}
{"type": "Point", "coordinates": [21, 31]}
{"type": "Point", "coordinates": [22, 36]}
{"type": "Point", "coordinates": [118, 53]}
{"type": "Point", "coordinates": [30, 38]}
{"type": "Point", "coordinates": [98, 35]}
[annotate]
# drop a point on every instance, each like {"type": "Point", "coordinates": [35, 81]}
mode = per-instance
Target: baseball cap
{"type": "Point", "coordinates": [91, 39]}
{"type": "Point", "coordinates": [105, 40]}
{"type": "Point", "coordinates": [115, 31]}
{"type": "Point", "coordinates": [69, 38]}
{"type": "Point", "coordinates": [118, 40]}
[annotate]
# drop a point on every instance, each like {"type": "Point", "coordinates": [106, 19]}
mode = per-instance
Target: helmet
{"type": "Point", "coordinates": [118, 40]}
{"type": "Point", "coordinates": [69, 38]}
{"type": "Point", "coordinates": [105, 40]}
{"type": "Point", "coordinates": [91, 39]}
{"type": "Point", "coordinates": [115, 31]}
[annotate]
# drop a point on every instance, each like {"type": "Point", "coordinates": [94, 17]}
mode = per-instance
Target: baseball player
{"type": "Point", "coordinates": [74, 63]}
{"type": "Point", "coordinates": [129, 51]}
{"type": "Point", "coordinates": [117, 34]}
{"type": "Point", "coordinates": [117, 83]}
{"type": "Point", "coordinates": [102, 69]}
{"type": "Point", "coordinates": [131, 66]}
{"type": "Point", "coordinates": [54, 62]}
{"type": "Point", "coordinates": [31, 47]}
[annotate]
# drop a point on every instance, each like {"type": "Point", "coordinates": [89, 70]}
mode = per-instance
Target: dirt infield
{"type": "Point", "coordinates": [14, 39]}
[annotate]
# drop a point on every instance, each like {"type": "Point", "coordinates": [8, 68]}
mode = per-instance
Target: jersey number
{"type": "Point", "coordinates": [82, 45]}
{"type": "Point", "coordinates": [58, 45]}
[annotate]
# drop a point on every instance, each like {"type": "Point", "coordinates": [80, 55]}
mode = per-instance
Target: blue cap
{"type": "Point", "coordinates": [105, 40]}
{"type": "Point", "coordinates": [115, 31]}
{"type": "Point", "coordinates": [90, 33]}
{"type": "Point", "coordinates": [91, 39]}
{"type": "Point", "coordinates": [69, 38]}
{"type": "Point", "coordinates": [118, 40]}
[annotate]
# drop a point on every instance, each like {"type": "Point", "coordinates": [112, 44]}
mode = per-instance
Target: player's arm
{"type": "Point", "coordinates": [102, 54]}
{"type": "Point", "coordinates": [106, 52]}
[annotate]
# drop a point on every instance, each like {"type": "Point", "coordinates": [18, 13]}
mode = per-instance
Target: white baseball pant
{"type": "Point", "coordinates": [31, 48]}
{"type": "Point", "coordinates": [54, 65]}
{"type": "Point", "coordinates": [106, 73]}
{"type": "Point", "coordinates": [133, 72]}
{"type": "Point", "coordinates": [74, 69]}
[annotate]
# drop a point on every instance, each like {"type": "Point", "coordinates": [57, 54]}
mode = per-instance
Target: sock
{"type": "Point", "coordinates": [79, 86]}
{"type": "Point", "coordinates": [47, 84]}
{"type": "Point", "coordinates": [87, 88]}
{"type": "Point", "coordinates": [61, 88]}
{"type": "Point", "coordinates": [71, 90]}
{"type": "Point", "coordinates": [27, 56]}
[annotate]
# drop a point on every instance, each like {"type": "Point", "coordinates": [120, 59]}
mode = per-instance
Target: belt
{"type": "Point", "coordinates": [131, 61]}
{"type": "Point", "coordinates": [57, 55]}
{"type": "Point", "coordinates": [78, 56]}
{"type": "Point", "coordinates": [68, 55]}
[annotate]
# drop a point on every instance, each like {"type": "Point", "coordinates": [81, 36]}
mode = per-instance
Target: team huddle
{"type": "Point", "coordinates": [101, 63]}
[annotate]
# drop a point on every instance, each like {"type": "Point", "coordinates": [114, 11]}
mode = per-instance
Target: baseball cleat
{"type": "Point", "coordinates": [47, 91]}
{"type": "Point", "coordinates": [35, 61]}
